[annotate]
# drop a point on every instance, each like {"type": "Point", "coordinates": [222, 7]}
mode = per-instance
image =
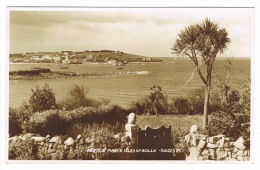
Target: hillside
{"type": "Point", "coordinates": [84, 56]}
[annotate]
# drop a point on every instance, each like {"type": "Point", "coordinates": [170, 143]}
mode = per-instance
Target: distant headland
{"type": "Point", "coordinates": [79, 57]}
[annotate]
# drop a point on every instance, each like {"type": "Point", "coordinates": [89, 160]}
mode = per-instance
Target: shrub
{"type": "Point", "coordinates": [48, 122]}
{"type": "Point", "coordinates": [196, 98]}
{"type": "Point", "coordinates": [145, 106]}
{"type": "Point", "coordinates": [181, 106]}
{"type": "Point", "coordinates": [139, 106]}
{"type": "Point", "coordinates": [42, 98]}
{"type": "Point", "coordinates": [18, 116]}
{"type": "Point", "coordinates": [60, 121]}
{"type": "Point", "coordinates": [14, 128]}
{"type": "Point", "coordinates": [154, 104]}
{"type": "Point", "coordinates": [223, 123]}
{"type": "Point", "coordinates": [229, 102]}
{"type": "Point", "coordinates": [77, 97]}
{"type": "Point", "coordinates": [245, 98]}
{"type": "Point", "coordinates": [22, 150]}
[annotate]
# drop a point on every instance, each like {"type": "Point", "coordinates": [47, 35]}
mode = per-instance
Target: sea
{"type": "Point", "coordinates": [176, 77]}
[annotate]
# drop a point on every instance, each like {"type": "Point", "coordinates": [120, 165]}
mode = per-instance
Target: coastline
{"type": "Point", "coordinates": [65, 75]}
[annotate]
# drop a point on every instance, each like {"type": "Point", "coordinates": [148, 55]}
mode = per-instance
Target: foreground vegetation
{"type": "Point", "coordinates": [101, 136]}
{"type": "Point", "coordinates": [100, 119]}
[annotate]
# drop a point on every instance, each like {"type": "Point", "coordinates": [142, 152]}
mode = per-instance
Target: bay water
{"type": "Point", "coordinates": [176, 78]}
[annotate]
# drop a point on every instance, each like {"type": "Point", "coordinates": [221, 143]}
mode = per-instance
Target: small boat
{"type": "Point", "coordinates": [64, 67]}
{"type": "Point", "coordinates": [119, 67]}
{"type": "Point", "coordinates": [36, 68]}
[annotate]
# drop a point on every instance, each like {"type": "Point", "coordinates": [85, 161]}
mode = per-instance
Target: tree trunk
{"type": "Point", "coordinates": [155, 109]}
{"type": "Point", "coordinates": [206, 107]}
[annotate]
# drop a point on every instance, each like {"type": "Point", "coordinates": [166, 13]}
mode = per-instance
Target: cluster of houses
{"type": "Point", "coordinates": [70, 57]}
{"type": "Point", "coordinates": [62, 57]}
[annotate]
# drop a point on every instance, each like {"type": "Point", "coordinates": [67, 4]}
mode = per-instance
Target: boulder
{"type": "Point", "coordinates": [202, 145]}
{"type": "Point", "coordinates": [240, 144]}
{"type": "Point", "coordinates": [38, 138]}
{"type": "Point", "coordinates": [212, 146]}
{"type": "Point", "coordinates": [14, 138]}
{"type": "Point", "coordinates": [69, 142]}
{"type": "Point", "coordinates": [55, 139]}
{"type": "Point", "coordinates": [27, 136]}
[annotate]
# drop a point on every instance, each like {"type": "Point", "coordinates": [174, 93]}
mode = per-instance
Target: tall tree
{"type": "Point", "coordinates": [202, 43]}
{"type": "Point", "coordinates": [156, 97]}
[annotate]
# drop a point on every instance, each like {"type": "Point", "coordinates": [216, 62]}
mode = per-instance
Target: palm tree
{"type": "Point", "coordinates": [202, 43]}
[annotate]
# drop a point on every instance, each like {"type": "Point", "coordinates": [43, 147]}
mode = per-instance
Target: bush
{"type": "Point", "coordinates": [229, 102]}
{"type": "Point", "coordinates": [154, 104]}
{"type": "Point", "coordinates": [18, 116]}
{"type": "Point", "coordinates": [245, 102]}
{"type": "Point", "coordinates": [48, 122]}
{"type": "Point", "coordinates": [181, 106]}
{"type": "Point", "coordinates": [42, 98]}
{"type": "Point", "coordinates": [77, 97]}
{"type": "Point", "coordinates": [139, 106]}
{"type": "Point", "coordinates": [196, 98]}
{"type": "Point", "coordinates": [22, 150]}
{"type": "Point", "coordinates": [223, 123]}
{"type": "Point", "coordinates": [145, 106]}
{"type": "Point", "coordinates": [14, 128]}
{"type": "Point", "coordinates": [60, 121]}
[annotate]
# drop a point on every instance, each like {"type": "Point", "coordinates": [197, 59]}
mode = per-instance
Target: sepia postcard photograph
{"type": "Point", "coordinates": [130, 84]}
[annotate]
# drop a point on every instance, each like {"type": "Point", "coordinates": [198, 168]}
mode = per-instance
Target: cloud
{"type": "Point", "coordinates": [144, 31]}
{"type": "Point", "coordinates": [118, 15]}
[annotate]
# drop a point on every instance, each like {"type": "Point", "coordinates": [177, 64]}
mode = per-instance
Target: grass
{"type": "Point", "coordinates": [167, 120]}
{"type": "Point", "coordinates": [103, 129]}
{"type": "Point", "coordinates": [180, 123]}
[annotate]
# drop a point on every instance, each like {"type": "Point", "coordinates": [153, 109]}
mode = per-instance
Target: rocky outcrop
{"type": "Point", "coordinates": [63, 75]}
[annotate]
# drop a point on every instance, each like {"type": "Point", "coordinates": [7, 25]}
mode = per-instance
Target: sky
{"type": "Point", "coordinates": [142, 31]}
